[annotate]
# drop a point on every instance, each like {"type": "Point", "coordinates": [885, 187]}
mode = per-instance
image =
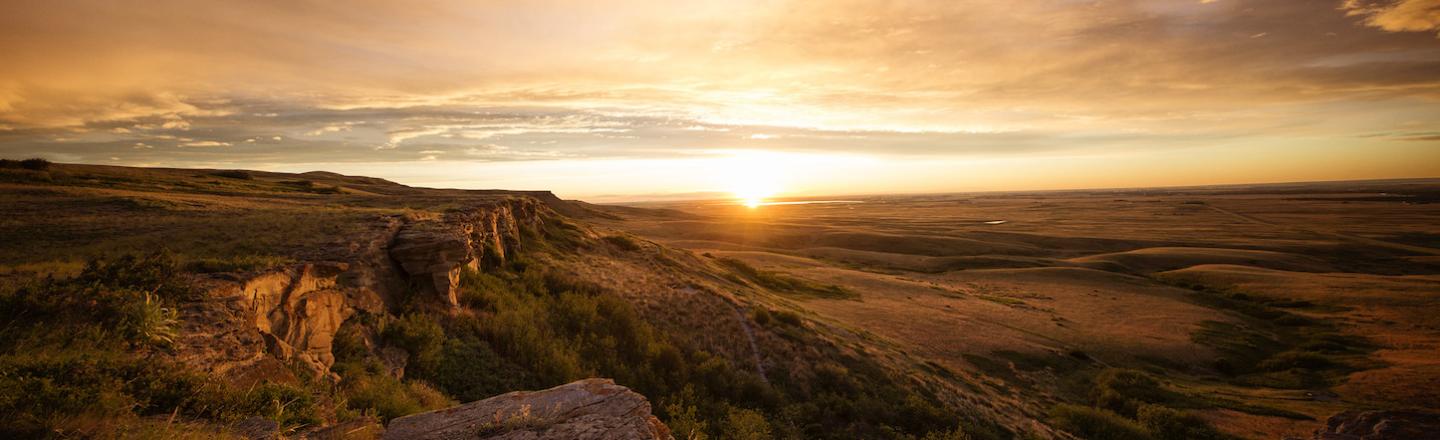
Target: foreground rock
{"type": "Point", "coordinates": [1381, 425]}
{"type": "Point", "coordinates": [586, 409]}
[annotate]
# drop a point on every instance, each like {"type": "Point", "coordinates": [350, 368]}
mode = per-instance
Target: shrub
{"type": "Point", "coordinates": [761, 316]}
{"type": "Point", "coordinates": [781, 282]}
{"type": "Point", "coordinates": [1123, 391]}
{"type": "Point", "coordinates": [386, 397]}
{"type": "Point", "coordinates": [623, 242]}
{"type": "Point", "coordinates": [127, 300]}
{"type": "Point", "coordinates": [954, 434]}
{"type": "Point", "coordinates": [787, 317]}
{"type": "Point", "coordinates": [1092, 423]}
{"type": "Point", "coordinates": [682, 416]}
{"type": "Point", "coordinates": [150, 322]}
{"type": "Point", "coordinates": [1304, 360]}
{"type": "Point", "coordinates": [1169, 424]}
{"type": "Point", "coordinates": [746, 424]}
{"type": "Point", "coordinates": [234, 174]}
{"type": "Point", "coordinates": [419, 335]}
{"type": "Point", "coordinates": [36, 164]}
{"type": "Point", "coordinates": [470, 370]}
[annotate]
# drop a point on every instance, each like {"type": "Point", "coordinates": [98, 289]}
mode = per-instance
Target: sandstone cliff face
{"type": "Point", "coordinates": [586, 409]}
{"type": "Point", "coordinates": [433, 251]}
{"type": "Point", "coordinates": [257, 322]}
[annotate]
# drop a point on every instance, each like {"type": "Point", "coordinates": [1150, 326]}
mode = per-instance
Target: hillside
{"type": "Point", "coordinates": [196, 303]}
{"type": "Point", "coordinates": [1254, 311]}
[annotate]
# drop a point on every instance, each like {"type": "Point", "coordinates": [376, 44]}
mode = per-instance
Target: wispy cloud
{"type": "Point", "coordinates": [1397, 15]}
{"type": "Point", "coordinates": [399, 82]}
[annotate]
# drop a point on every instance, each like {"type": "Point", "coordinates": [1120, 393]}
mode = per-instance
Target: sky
{"type": "Point", "coordinates": [650, 99]}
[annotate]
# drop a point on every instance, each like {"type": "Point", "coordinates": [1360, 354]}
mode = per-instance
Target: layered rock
{"type": "Point", "coordinates": [280, 316]}
{"type": "Point", "coordinates": [433, 251]}
{"type": "Point", "coordinates": [586, 409]}
{"type": "Point", "coordinates": [259, 322]}
{"type": "Point", "coordinates": [1381, 425]}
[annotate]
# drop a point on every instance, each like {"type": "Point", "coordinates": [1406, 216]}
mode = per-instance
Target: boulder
{"type": "Point", "coordinates": [585, 409]}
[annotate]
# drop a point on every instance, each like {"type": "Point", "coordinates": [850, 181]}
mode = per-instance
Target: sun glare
{"type": "Point", "coordinates": [751, 177]}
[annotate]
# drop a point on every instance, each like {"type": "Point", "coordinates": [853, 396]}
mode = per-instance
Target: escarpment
{"type": "Point", "coordinates": [251, 323]}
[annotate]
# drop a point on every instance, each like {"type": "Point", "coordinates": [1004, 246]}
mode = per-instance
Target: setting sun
{"type": "Point", "coordinates": [751, 176]}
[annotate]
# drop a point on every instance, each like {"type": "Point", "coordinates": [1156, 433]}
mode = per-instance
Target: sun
{"type": "Point", "coordinates": [751, 177]}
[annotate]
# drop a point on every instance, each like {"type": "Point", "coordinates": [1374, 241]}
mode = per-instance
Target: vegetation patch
{"type": "Point", "coordinates": [529, 328]}
{"type": "Point", "coordinates": [785, 283]}
{"type": "Point", "coordinates": [1129, 404]}
{"type": "Point", "coordinates": [84, 356]}
{"type": "Point", "coordinates": [623, 242]}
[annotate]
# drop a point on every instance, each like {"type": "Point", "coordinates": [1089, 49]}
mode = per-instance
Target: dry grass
{"type": "Point", "coordinates": [1072, 272]}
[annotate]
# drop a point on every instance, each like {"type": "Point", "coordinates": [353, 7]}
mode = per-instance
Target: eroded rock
{"type": "Point", "coordinates": [585, 409]}
{"type": "Point", "coordinates": [432, 252]}
{"type": "Point", "coordinates": [1381, 425]}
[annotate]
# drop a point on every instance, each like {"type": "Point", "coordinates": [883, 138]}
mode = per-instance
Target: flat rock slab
{"type": "Point", "coordinates": [585, 409]}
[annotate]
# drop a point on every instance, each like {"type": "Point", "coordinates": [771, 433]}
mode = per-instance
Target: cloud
{"type": "Point", "coordinates": [923, 78]}
{"type": "Point", "coordinates": [205, 144]}
{"type": "Point", "coordinates": [1397, 15]}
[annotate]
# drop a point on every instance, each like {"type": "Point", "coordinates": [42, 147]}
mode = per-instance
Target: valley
{"type": "Point", "coordinates": [245, 304]}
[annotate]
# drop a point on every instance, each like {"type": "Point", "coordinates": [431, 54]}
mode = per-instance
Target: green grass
{"type": "Point", "coordinates": [85, 355]}
{"type": "Point", "coordinates": [784, 283]}
{"type": "Point", "coordinates": [1090, 423]}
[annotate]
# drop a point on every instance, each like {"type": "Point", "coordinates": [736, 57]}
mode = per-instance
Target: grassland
{"type": "Point", "coordinates": [1259, 311]}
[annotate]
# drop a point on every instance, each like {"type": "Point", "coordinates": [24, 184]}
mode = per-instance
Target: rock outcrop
{"type": "Point", "coordinates": [433, 251]}
{"type": "Point", "coordinates": [586, 409]}
{"type": "Point", "coordinates": [258, 322]}
{"type": "Point", "coordinates": [1381, 425]}
{"type": "Point", "coordinates": [275, 317]}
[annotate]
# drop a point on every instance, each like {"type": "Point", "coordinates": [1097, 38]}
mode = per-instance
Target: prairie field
{"type": "Point", "coordinates": [1268, 307]}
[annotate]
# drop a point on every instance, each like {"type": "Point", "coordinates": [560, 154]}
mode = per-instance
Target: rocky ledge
{"type": "Point", "coordinates": [585, 409]}
{"type": "Point", "coordinates": [1381, 425]}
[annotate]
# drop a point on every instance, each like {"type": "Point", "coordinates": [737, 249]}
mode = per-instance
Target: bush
{"type": "Point", "coordinates": [234, 174]}
{"type": "Point", "coordinates": [761, 316]}
{"type": "Point", "coordinates": [546, 328]}
{"type": "Point", "coordinates": [1124, 391]}
{"type": "Point", "coordinates": [125, 300]}
{"type": "Point", "coordinates": [150, 322]}
{"type": "Point", "coordinates": [746, 424]}
{"type": "Point", "coordinates": [386, 397]}
{"type": "Point", "coordinates": [470, 370]}
{"type": "Point", "coordinates": [419, 335]}
{"type": "Point", "coordinates": [623, 242]}
{"type": "Point", "coordinates": [36, 164]}
{"type": "Point", "coordinates": [1169, 424]}
{"type": "Point", "coordinates": [682, 416]}
{"type": "Point", "coordinates": [787, 317]}
{"type": "Point", "coordinates": [1303, 360]}
{"type": "Point", "coordinates": [784, 283]}
{"type": "Point", "coordinates": [1097, 424]}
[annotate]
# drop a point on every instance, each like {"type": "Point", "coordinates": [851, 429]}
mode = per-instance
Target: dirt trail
{"type": "Point", "coordinates": [744, 325]}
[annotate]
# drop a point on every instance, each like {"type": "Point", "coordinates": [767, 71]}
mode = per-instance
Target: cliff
{"type": "Point", "coordinates": [246, 323]}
